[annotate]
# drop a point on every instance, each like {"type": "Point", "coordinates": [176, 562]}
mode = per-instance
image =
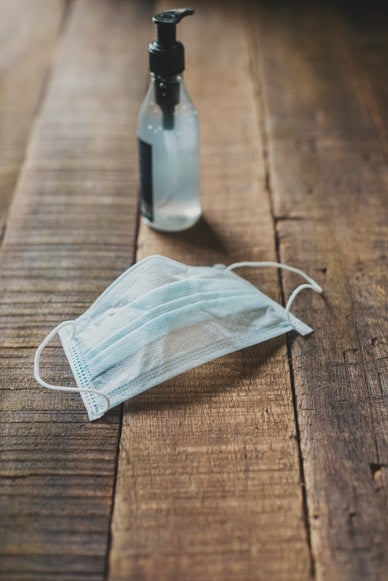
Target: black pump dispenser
{"type": "Point", "coordinates": [166, 54]}
{"type": "Point", "coordinates": [167, 61]}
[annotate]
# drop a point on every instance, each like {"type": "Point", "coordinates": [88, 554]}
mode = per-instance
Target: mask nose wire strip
{"type": "Point", "coordinates": [312, 285]}
{"type": "Point", "coordinates": [61, 387]}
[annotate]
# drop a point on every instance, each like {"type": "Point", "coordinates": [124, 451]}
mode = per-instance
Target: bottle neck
{"type": "Point", "coordinates": [172, 79]}
{"type": "Point", "coordinates": [167, 96]}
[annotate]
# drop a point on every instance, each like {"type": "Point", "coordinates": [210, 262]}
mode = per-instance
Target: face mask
{"type": "Point", "coordinates": [161, 318]}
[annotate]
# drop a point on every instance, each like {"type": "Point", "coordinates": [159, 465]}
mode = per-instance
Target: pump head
{"type": "Point", "coordinates": [166, 53]}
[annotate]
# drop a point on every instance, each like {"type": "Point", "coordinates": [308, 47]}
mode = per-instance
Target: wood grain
{"type": "Point", "coordinates": [366, 47]}
{"type": "Point", "coordinates": [328, 182]}
{"type": "Point", "coordinates": [71, 231]}
{"type": "Point", "coordinates": [208, 483]}
{"type": "Point", "coordinates": [268, 464]}
{"type": "Point", "coordinates": [27, 45]}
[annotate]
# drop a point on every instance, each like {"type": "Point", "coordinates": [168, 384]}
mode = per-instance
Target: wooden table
{"type": "Point", "coordinates": [268, 464]}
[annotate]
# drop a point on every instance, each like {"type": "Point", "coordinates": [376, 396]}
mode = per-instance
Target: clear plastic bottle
{"type": "Point", "coordinates": [168, 136]}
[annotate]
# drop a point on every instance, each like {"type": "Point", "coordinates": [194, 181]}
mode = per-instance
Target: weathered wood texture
{"type": "Point", "coordinates": [208, 482]}
{"type": "Point", "coordinates": [328, 182]}
{"type": "Point", "coordinates": [366, 46]}
{"type": "Point", "coordinates": [70, 231]}
{"type": "Point", "coordinates": [270, 463]}
{"type": "Point", "coordinates": [27, 43]}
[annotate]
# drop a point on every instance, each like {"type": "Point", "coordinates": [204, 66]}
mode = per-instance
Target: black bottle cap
{"type": "Point", "coordinates": [167, 56]}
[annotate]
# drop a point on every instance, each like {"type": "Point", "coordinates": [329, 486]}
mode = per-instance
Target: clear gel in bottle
{"type": "Point", "coordinates": [168, 136]}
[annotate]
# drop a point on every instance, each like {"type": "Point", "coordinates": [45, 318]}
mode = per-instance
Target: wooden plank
{"type": "Point", "coordinates": [71, 232]}
{"type": "Point", "coordinates": [208, 482]}
{"type": "Point", "coordinates": [27, 44]}
{"type": "Point", "coordinates": [328, 181]}
{"type": "Point", "coordinates": [366, 44]}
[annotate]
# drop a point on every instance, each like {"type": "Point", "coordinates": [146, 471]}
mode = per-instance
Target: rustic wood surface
{"type": "Point", "coordinates": [268, 464]}
{"type": "Point", "coordinates": [27, 46]}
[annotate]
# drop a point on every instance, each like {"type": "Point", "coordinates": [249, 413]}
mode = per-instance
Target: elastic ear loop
{"type": "Point", "coordinates": [61, 387]}
{"type": "Point", "coordinates": [312, 285]}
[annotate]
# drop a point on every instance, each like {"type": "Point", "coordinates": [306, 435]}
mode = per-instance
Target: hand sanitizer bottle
{"type": "Point", "coordinates": [168, 135]}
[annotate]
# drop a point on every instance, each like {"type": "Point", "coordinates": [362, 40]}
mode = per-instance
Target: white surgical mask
{"type": "Point", "coordinates": [161, 318]}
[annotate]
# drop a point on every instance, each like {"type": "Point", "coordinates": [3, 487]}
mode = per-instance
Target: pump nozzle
{"type": "Point", "coordinates": [166, 23]}
{"type": "Point", "coordinates": [166, 53]}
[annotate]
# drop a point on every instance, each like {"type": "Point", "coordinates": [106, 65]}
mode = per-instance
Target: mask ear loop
{"type": "Point", "coordinates": [311, 283]}
{"type": "Point", "coordinates": [62, 387]}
